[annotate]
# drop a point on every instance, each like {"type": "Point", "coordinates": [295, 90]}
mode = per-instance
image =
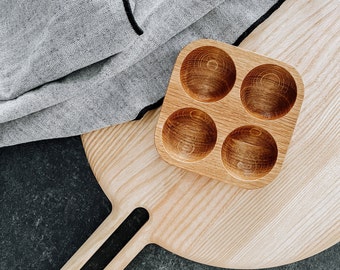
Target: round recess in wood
{"type": "Point", "coordinates": [249, 152]}
{"type": "Point", "coordinates": [189, 134]}
{"type": "Point", "coordinates": [268, 91]}
{"type": "Point", "coordinates": [208, 74]}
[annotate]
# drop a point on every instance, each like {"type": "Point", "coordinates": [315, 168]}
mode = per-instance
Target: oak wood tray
{"type": "Point", "coordinates": [229, 113]}
{"type": "Point", "coordinates": [209, 221]}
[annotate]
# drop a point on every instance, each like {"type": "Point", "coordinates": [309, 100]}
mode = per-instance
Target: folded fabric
{"type": "Point", "coordinates": [69, 67]}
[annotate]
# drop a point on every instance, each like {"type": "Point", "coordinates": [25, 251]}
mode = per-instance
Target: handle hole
{"type": "Point", "coordinates": [117, 240]}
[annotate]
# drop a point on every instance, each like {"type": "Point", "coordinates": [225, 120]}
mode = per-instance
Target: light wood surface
{"type": "Point", "coordinates": [229, 114]}
{"type": "Point", "coordinates": [208, 221]}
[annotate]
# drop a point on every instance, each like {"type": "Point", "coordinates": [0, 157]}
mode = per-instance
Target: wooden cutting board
{"type": "Point", "coordinates": [211, 222]}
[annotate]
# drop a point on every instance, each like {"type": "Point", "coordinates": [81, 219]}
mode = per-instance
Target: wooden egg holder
{"type": "Point", "coordinates": [229, 114]}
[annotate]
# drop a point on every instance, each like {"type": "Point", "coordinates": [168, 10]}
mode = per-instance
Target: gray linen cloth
{"type": "Point", "coordinates": [70, 67]}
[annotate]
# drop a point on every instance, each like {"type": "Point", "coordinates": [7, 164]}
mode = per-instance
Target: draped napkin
{"type": "Point", "coordinates": [70, 67]}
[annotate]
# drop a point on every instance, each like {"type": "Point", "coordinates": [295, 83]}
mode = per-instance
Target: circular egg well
{"type": "Point", "coordinates": [268, 91]}
{"type": "Point", "coordinates": [208, 74]}
{"type": "Point", "coordinates": [189, 134]}
{"type": "Point", "coordinates": [249, 152]}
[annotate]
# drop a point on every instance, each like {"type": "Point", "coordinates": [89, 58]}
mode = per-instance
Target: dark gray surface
{"type": "Point", "coordinates": [51, 203]}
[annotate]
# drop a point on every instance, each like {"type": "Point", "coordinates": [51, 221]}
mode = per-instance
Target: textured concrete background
{"type": "Point", "coordinates": [51, 203]}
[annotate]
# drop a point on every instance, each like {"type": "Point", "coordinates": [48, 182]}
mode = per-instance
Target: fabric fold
{"type": "Point", "coordinates": [117, 88]}
{"type": "Point", "coordinates": [159, 24]}
{"type": "Point", "coordinates": [45, 41]}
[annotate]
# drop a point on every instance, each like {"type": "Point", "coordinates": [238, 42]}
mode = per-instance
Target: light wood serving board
{"type": "Point", "coordinates": [211, 222]}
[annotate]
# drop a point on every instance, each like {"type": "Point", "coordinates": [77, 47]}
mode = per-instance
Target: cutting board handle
{"type": "Point", "coordinates": [102, 233]}
{"type": "Point", "coordinates": [131, 249]}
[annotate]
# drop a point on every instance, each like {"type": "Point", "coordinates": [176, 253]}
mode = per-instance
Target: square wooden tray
{"type": "Point", "coordinates": [229, 113]}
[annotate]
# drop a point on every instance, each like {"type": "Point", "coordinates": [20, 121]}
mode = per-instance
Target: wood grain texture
{"type": "Point", "coordinates": [208, 221]}
{"type": "Point", "coordinates": [216, 90]}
